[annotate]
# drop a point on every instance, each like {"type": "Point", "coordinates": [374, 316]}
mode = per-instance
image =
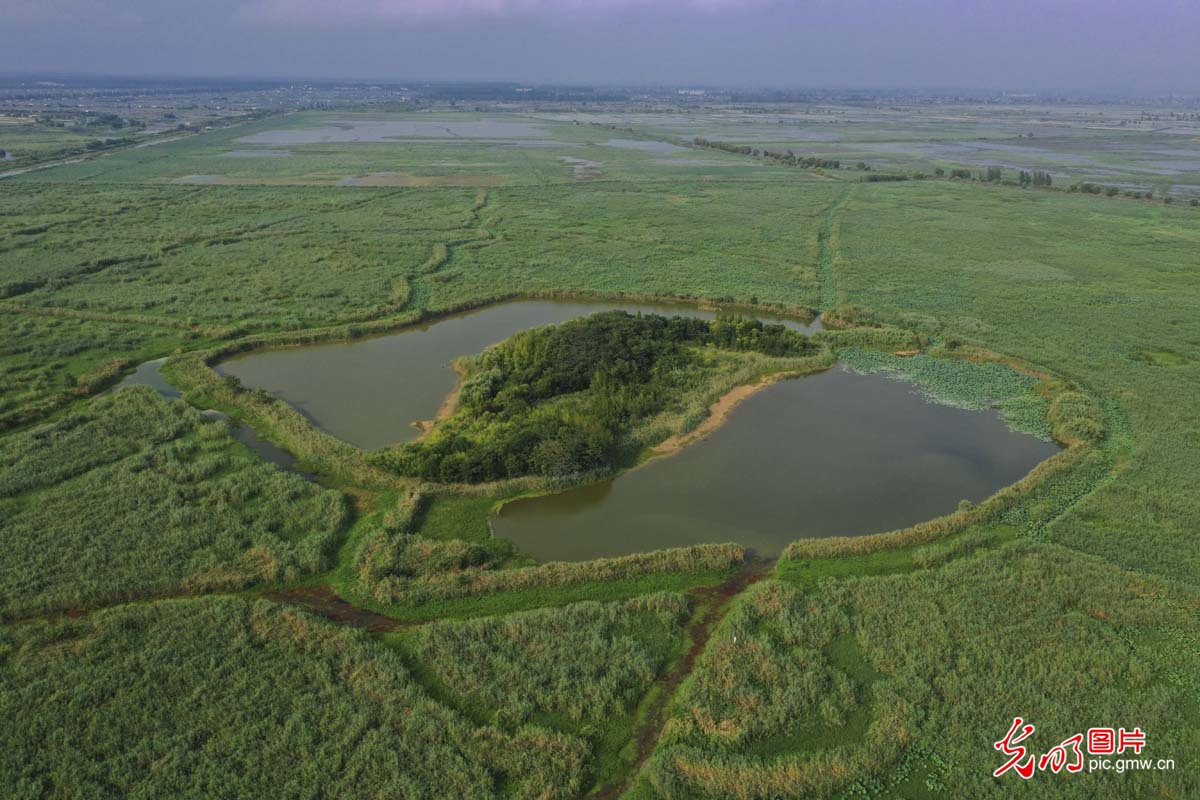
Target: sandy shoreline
{"type": "Point", "coordinates": [718, 413]}
{"type": "Point", "coordinates": [446, 409]}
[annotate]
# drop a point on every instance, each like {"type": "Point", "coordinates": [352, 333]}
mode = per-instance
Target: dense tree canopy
{"type": "Point", "coordinates": [560, 400]}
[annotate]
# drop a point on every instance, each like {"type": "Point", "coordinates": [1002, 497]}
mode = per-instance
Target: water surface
{"type": "Point", "coordinates": [832, 454]}
{"type": "Point", "coordinates": [369, 392]}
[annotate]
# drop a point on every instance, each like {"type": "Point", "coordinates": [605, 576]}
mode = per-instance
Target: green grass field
{"type": "Point", "coordinates": [875, 668]}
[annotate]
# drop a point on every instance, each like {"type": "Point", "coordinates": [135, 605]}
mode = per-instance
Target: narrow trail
{"type": "Point", "coordinates": [827, 251]}
{"type": "Point", "coordinates": [699, 631]}
{"type": "Point", "coordinates": [325, 602]}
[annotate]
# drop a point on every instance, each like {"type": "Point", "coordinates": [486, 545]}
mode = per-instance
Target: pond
{"type": "Point", "coordinates": [369, 392]}
{"type": "Point", "coordinates": [832, 454]}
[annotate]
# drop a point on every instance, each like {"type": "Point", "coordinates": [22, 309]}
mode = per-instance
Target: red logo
{"type": "Point", "coordinates": [1012, 747]}
{"type": "Point", "coordinates": [1134, 739]}
{"type": "Point", "coordinates": [1101, 741]}
{"type": "Point", "coordinates": [1068, 755]}
{"type": "Point", "coordinates": [1059, 757]}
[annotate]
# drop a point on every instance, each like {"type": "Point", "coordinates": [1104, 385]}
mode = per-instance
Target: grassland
{"type": "Point", "coordinates": [878, 667]}
{"type": "Point", "coordinates": [47, 362]}
{"type": "Point", "coordinates": [30, 140]}
{"type": "Point", "coordinates": [845, 688]}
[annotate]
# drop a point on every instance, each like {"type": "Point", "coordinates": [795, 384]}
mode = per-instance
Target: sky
{"type": "Point", "coordinates": [1149, 45]}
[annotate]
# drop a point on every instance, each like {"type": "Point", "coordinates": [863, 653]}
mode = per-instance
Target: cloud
{"type": "Point", "coordinates": [331, 11]}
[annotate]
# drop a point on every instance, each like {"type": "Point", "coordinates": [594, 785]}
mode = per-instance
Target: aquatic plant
{"type": "Point", "coordinates": [135, 496]}
{"type": "Point", "coordinates": [704, 559]}
{"type": "Point", "coordinates": [585, 661]}
{"type": "Point", "coordinates": [255, 670]}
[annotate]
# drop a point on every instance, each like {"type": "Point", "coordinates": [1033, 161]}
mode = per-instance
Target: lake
{"type": "Point", "coordinates": [831, 454]}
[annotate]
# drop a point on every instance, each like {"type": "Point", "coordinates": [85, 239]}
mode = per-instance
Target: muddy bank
{"type": "Point", "coordinates": [325, 602]}
{"type": "Point", "coordinates": [713, 603]}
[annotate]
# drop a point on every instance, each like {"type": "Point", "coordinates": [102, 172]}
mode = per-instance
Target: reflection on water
{"type": "Point", "coordinates": [833, 454]}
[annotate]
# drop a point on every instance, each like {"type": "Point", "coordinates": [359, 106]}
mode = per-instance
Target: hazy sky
{"type": "Point", "coordinates": [1134, 44]}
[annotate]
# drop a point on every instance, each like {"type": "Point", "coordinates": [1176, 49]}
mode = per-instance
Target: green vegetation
{"type": "Point", "coordinates": [412, 575]}
{"type": "Point", "coordinates": [877, 666]}
{"type": "Point", "coordinates": [963, 384]}
{"type": "Point", "coordinates": [46, 362]}
{"type": "Point", "coordinates": [825, 691]}
{"type": "Point", "coordinates": [180, 254]}
{"type": "Point", "coordinates": [25, 141]}
{"type": "Point", "coordinates": [567, 399]}
{"type": "Point", "coordinates": [757, 683]}
{"type": "Point", "coordinates": [271, 703]}
{"type": "Point", "coordinates": [586, 669]}
{"type": "Point", "coordinates": [134, 496]}
{"type": "Point", "coordinates": [528, 664]}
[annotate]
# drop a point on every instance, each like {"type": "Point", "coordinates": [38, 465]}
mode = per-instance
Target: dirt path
{"type": "Point", "coordinates": [715, 601]}
{"type": "Point", "coordinates": [827, 251]}
{"type": "Point", "coordinates": [325, 602]}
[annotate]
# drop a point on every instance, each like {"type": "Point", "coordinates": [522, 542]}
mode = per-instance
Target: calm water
{"type": "Point", "coordinates": [147, 374]}
{"type": "Point", "coordinates": [833, 454]}
{"type": "Point", "coordinates": [370, 392]}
